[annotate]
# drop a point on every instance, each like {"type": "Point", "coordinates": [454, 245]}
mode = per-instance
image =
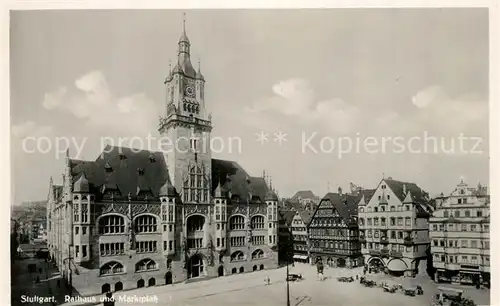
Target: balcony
{"type": "Point", "coordinates": [374, 252]}
{"type": "Point", "coordinates": [408, 241]}
{"type": "Point", "coordinates": [384, 240]}
{"type": "Point", "coordinates": [396, 254]}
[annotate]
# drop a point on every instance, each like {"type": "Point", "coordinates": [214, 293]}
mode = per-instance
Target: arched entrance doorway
{"type": "Point", "coordinates": [105, 288]}
{"type": "Point", "coordinates": [376, 265]}
{"type": "Point", "coordinates": [242, 269]}
{"type": "Point", "coordinates": [221, 271]}
{"type": "Point", "coordinates": [195, 266]}
{"type": "Point", "coordinates": [340, 262]}
{"type": "Point", "coordinates": [119, 286]}
{"type": "Point", "coordinates": [151, 282]}
{"type": "Point", "coordinates": [261, 267]}
{"type": "Point", "coordinates": [255, 268]}
{"type": "Point", "coordinates": [234, 271]}
{"type": "Point", "coordinates": [140, 283]}
{"type": "Point", "coordinates": [168, 278]}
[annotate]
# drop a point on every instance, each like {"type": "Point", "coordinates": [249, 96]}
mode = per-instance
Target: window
{"type": "Point", "coordinates": [375, 221]}
{"type": "Point", "coordinates": [407, 207]}
{"type": "Point", "coordinates": [218, 242]}
{"type": "Point", "coordinates": [393, 234]}
{"type": "Point", "coordinates": [195, 243]}
{"type": "Point", "coordinates": [77, 251]}
{"type": "Point", "coordinates": [459, 201]}
{"type": "Point", "coordinates": [171, 245]}
{"type": "Point", "coordinates": [464, 227]}
{"type": "Point", "coordinates": [240, 241]}
{"type": "Point", "coordinates": [170, 228]}
{"type": "Point", "coordinates": [400, 235]}
{"type": "Point", "coordinates": [259, 240]}
{"type": "Point", "coordinates": [434, 227]}
{"type": "Point", "coordinates": [257, 254]}
{"type": "Point", "coordinates": [109, 249]}
{"type": "Point", "coordinates": [382, 221]}
{"type": "Point", "coordinates": [464, 244]}
{"type": "Point", "coordinates": [393, 221]}
{"type": "Point", "coordinates": [361, 209]}
{"type": "Point", "coordinates": [479, 213]}
{"type": "Point", "coordinates": [164, 245]}
{"type": "Point", "coordinates": [369, 221]}
{"type": "Point", "coordinates": [77, 230]}
{"type": "Point", "coordinates": [473, 228]}
{"type": "Point", "coordinates": [375, 209]}
{"type": "Point", "coordinates": [145, 265]}
{"type": "Point", "coordinates": [164, 227]}
{"type": "Point", "coordinates": [361, 221]}
{"type": "Point", "coordinates": [407, 221]}
{"type": "Point", "coordinates": [486, 227]}
{"type": "Point", "coordinates": [84, 251]}
{"type": "Point", "coordinates": [237, 223]}
{"type": "Point", "coordinates": [465, 258]}
{"type": "Point", "coordinates": [369, 233]}
{"type": "Point", "coordinates": [146, 246]}
{"type": "Point", "coordinates": [393, 208]}
{"type": "Point", "coordinates": [84, 230]}
{"type": "Point", "coordinates": [473, 244]}
{"type": "Point", "coordinates": [446, 214]}
{"type": "Point", "coordinates": [145, 224]}
{"type": "Point", "coordinates": [441, 243]}
{"type": "Point", "coordinates": [457, 213]}
{"type": "Point", "coordinates": [112, 224]}
{"type": "Point", "coordinates": [112, 267]}
{"type": "Point", "coordinates": [257, 222]}
{"type": "Point", "coordinates": [467, 213]}
{"type": "Point", "coordinates": [237, 256]}
{"type": "Point", "coordinates": [400, 221]}
{"type": "Point", "coordinates": [376, 234]}
{"type": "Point", "coordinates": [435, 242]}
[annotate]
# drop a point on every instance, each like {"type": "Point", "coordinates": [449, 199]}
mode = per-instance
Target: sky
{"type": "Point", "coordinates": [356, 94]}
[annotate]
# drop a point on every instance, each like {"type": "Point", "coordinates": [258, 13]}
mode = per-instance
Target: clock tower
{"type": "Point", "coordinates": [186, 128]}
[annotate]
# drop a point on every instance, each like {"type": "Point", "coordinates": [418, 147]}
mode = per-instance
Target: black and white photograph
{"type": "Point", "coordinates": [287, 156]}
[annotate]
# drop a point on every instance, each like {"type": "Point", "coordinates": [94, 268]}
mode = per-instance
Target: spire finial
{"type": "Point", "coordinates": [170, 65]}
{"type": "Point", "coordinates": [199, 64]}
{"type": "Point", "coordinates": [184, 22]}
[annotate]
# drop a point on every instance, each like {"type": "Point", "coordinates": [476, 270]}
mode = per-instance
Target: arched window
{"type": "Point", "coordinates": [257, 254]}
{"type": "Point", "coordinates": [145, 265]}
{"type": "Point", "coordinates": [145, 224]}
{"type": "Point", "coordinates": [110, 268]}
{"type": "Point", "coordinates": [237, 256]}
{"type": "Point", "coordinates": [361, 221]}
{"type": "Point", "coordinates": [234, 271]}
{"type": "Point", "coordinates": [196, 185]}
{"type": "Point", "coordinates": [112, 224]}
{"type": "Point", "coordinates": [195, 223]}
{"type": "Point", "coordinates": [257, 222]}
{"type": "Point", "coordinates": [237, 223]}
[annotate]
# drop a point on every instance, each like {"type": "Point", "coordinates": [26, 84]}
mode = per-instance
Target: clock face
{"type": "Point", "coordinates": [190, 91]}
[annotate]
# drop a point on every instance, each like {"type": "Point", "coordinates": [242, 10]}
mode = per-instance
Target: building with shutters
{"type": "Point", "coordinates": [135, 218]}
{"type": "Point", "coordinates": [394, 227]}
{"type": "Point", "coordinates": [460, 235]}
{"type": "Point", "coordinates": [333, 230]}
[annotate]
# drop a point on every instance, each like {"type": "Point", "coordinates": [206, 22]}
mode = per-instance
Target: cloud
{"type": "Point", "coordinates": [55, 99]}
{"type": "Point", "coordinates": [31, 129]}
{"type": "Point", "coordinates": [296, 99]}
{"type": "Point", "coordinates": [94, 101]}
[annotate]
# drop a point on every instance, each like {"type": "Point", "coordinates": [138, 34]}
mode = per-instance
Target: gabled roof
{"type": "Point", "coordinates": [117, 168]}
{"type": "Point", "coordinates": [287, 216]}
{"type": "Point", "coordinates": [306, 216]}
{"type": "Point", "coordinates": [345, 204]}
{"type": "Point", "coordinates": [398, 187]}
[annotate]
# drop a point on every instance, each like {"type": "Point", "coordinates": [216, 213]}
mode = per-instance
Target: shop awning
{"type": "Point", "coordinates": [298, 256]}
{"type": "Point", "coordinates": [397, 265]}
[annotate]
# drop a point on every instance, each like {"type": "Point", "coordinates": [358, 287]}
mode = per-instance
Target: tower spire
{"type": "Point", "coordinates": [184, 23]}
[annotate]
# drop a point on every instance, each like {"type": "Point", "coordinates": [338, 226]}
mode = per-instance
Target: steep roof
{"type": "Point", "coordinates": [345, 204]}
{"type": "Point", "coordinates": [398, 187]}
{"type": "Point", "coordinates": [287, 216]}
{"type": "Point", "coordinates": [304, 194]}
{"type": "Point", "coordinates": [306, 216]}
{"type": "Point", "coordinates": [130, 170]}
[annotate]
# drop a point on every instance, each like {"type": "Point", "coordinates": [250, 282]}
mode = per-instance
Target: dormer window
{"type": "Point", "coordinates": [108, 168]}
{"type": "Point", "coordinates": [152, 159]}
{"type": "Point", "coordinates": [122, 156]}
{"type": "Point", "coordinates": [140, 171]}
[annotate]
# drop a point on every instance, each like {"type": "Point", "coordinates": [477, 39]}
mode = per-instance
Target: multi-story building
{"type": "Point", "coordinates": [333, 230]}
{"type": "Point", "coordinates": [134, 218]}
{"type": "Point", "coordinates": [459, 229]}
{"type": "Point", "coordinates": [300, 235]}
{"type": "Point", "coordinates": [285, 237]}
{"type": "Point", "coordinates": [394, 227]}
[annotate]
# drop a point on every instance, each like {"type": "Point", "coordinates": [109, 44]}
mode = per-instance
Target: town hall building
{"type": "Point", "coordinates": [132, 218]}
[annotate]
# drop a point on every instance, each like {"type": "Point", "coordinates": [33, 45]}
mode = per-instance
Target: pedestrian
{"type": "Point", "coordinates": [357, 276]}
{"type": "Point", "coordinates": [268, 280]}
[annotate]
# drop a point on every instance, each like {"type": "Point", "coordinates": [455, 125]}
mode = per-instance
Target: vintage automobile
{"type": "Point", "coordinates": [345, 279]}
{"type": "Point", "coordinates": [294, 277]}
{"type": "Point", "coordinates": [446, 296]}
{"type": "Point", "coordinates": [410, 291]}
{"type": "Point", "coordinates": [390, 289]}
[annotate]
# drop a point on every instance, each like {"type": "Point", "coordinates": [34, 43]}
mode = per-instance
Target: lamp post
{"type": "Point", "coordinates": [287, 286]}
